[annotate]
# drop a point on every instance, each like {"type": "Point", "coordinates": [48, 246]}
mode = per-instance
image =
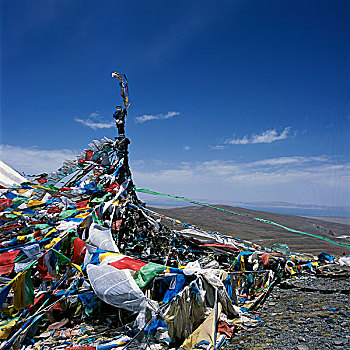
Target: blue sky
{"type": "Point", "coordinates": [231, 101]}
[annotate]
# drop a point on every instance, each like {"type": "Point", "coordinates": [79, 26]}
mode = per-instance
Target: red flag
{"type": "Point", "coordinates": [41, 268]}
{"type": "Point", "coordinates": [4, 203]}
{"type": "Point", "coordinates": [118, 223]}
{"type": "Point", "coordinates": [82, 204]}
{"type": "Point", "coordinates": [7, 261]}
{"type": "Point", "coordinates": [53, 210]}
{"type": "Point", "coordinates": [65, 189]}
{"type": "Point", "coordinates": [88, 155]}
{"type": "Point", "coordinates": [128, 263]}
{"type": "Point", "coordinates": [79, 250]}
{"type": "Point", "coordinates": [41, 180]}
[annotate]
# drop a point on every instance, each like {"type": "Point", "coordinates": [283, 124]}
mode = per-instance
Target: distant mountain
{"type": "Point", "coordinates": [299, 209]}
{"type": "Point", "coordinates": [264, 234]}
{"type": "Point", "coordinates": [9, 176]}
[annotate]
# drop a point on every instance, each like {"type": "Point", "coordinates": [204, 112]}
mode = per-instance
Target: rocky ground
{"type": "Point", "coordinates": [304, 314]}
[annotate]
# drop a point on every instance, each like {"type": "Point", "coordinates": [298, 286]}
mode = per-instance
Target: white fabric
{"type": "Point", "coordinates": [343, 261]}
{"type": "Point", "coordinates": [20, 266]}
{"type": "Point", "coordinates": [116, 287]}
{"type": "Point", "coordinates": [192, 267]}
{"type": "Point", "coordinates": [150, 220]}
{"type": "Point", "coordinates": [205, 237]}
{"type": "Point", "coordinates": [212, 280]}
{"type": "Point", "coordinates": [122, 188]}
{"type": "Point", "coordinates": [189, 232]}
{"type": "Point", "coordinates": [101, 237]}
{"type": "Point", "coordinates": [119, 164]}
{"type": "Point", "coordinates": [67, 225]}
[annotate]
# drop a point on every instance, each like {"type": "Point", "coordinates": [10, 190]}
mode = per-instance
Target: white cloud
{"type": "Point", "coordinates": [243, 141]}
{"type": "Point", "coordinates": [267, 136]}
{"type": "Point", "coordinates": [148, 117]}
{"type": "Point", "coordinates": [282, 169]}
{"type": "Point", "coordinates": [291, 160]}
{"type": "Point", "coordinates": [186, 148]}
{"type": "Point", "coordinates": [219, 147]}
{"type": "Point", "coordinates": [95, 115]}
{"type": "Point", "coordinates": [32, 160]}
{"type": "Point", "coordinates": [94, 121]}
{"type": "Point", "coordinates": [320, 180]}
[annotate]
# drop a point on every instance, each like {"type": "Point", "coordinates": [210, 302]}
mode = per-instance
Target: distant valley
{"type": "Point", "coordinates": [265, 234]}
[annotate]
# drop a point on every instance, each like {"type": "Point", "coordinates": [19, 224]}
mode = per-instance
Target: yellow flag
{"type": "Point", "coordinates": [52, 243]}
{"type": "Point", "coordinates": [22, 190]}
{"type": "Point", "coordinates": [6, 326]}
{"type": "Point", "coordinates": [82, 215]}
{"type": "Point", "coordinates": [50, 232]}
{"type": "Point", "coordinates": [19, 300]}
{"type": "Point", "coordinates": [34, 202]}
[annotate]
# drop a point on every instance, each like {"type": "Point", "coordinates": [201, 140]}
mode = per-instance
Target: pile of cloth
{"type": "Point", "coordinates": [85, 265]}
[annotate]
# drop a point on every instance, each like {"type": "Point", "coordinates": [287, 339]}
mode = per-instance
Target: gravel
{"type": "Point", "coordinates": [304, 314]}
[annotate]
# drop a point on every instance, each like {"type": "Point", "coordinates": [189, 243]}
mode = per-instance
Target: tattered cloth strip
{"type": "Point", "coordinates": [23, 290]}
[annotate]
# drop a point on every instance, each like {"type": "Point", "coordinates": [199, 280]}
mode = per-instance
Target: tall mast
{"type": "Point", "coordinates": [122, 142]}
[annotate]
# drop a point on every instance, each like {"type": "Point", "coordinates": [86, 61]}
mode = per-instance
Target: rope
{"type": "Point", "coordinates": [143, 190]}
